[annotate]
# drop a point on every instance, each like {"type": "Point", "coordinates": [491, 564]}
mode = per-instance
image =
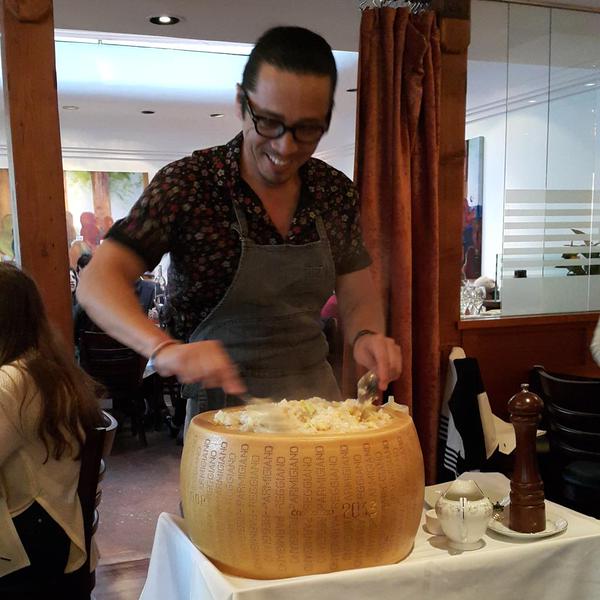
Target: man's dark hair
{"type": "Point", "coordinates": [293, 49]}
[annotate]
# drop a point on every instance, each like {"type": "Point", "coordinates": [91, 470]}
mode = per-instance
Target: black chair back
{"type": "Point", "coordinates": [572, 417]}
{"type": "Point", "coordinates": [120, 370]}
{"type": "Point", "coordinates": [572, 411]}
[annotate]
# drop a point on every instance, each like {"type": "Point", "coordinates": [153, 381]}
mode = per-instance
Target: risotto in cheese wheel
{"type": "Point", "coordinates": [305, 416]}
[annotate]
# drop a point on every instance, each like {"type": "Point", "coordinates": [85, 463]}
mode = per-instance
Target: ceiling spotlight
{"type": "Point", "coordinates": [216, 115]}
{"type": "Point", "coordinates": [164, 20]}
{"type": "Point", "coordinates": [147, 112]}
{"type": "Point", "coordinates": [532, 101]}
{"type": "Point", "coordinates": [589, 84]}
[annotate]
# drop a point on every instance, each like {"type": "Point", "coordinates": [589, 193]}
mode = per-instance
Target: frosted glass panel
{"type": "Point", "coordinates": [539, 121]}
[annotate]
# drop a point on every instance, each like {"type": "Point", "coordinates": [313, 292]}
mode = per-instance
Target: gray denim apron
{"type": "Point", "coordinates": [269, 318]}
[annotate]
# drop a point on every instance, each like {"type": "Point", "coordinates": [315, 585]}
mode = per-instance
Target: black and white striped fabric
{"type": "Point", "coordinates": [461, 439]}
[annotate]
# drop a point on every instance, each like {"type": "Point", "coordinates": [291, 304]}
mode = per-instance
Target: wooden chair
{"type": "Point", "coordinates": [120, 370]}
{"type": "Point", "coordinates": [572, 417]}
{"type": "Point", "coordinates": [97, 447]}
{"type": "Point", "coordinates": [172, 388]}
{"type": "Point", "coordinates": [155, 389]}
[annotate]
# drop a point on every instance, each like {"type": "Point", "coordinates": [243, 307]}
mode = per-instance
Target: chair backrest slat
{"type": "Point", "coordinates": [119, 368]}
{"type": "Point", "coordinates": [572, 411]}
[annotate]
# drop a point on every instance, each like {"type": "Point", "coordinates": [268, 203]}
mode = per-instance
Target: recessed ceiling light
{"type": "Point", "coordinates": [352, 90]}
{"type": "Point", "coordinates": [164, 20]}
{"type": "Point", "coordinates": [216, 115]}
{"type": "Point", "coordinates": [70, 107]}
{"type": "Point", "coordinates": [147, 112]}
{"type": "Point", "coordinates": [589, 84]}
{"type": "Point", "coordinates": [532, 101]}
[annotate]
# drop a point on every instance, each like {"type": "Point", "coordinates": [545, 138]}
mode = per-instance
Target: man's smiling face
{"type": "Point", "coordinates": [294, 99]}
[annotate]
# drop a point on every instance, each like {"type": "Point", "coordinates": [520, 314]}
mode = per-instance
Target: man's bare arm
{"type": "Point", "coordinates": [360, 309]}
{"type": "Point", "coordinates": [106, 292]}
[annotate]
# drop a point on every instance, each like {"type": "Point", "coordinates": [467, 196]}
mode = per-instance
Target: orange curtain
{"type": "Point", "coordinates": [396, 171]}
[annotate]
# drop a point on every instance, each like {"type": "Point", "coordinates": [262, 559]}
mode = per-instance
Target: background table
{"type": "Point", "coordinates": [562, 567]}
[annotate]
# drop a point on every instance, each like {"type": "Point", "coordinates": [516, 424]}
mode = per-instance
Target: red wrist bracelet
{"type": "Point", "coordinates": [158, 348]}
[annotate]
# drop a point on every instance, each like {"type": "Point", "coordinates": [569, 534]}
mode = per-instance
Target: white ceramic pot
{"type": "Point", "coordinates": [464, 512]}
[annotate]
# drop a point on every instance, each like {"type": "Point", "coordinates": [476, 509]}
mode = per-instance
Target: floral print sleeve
{"type": "Point", "coordinates": [336, 198]}
{"type": "Point", "coordinates": [352, 254]}
{"type": "Point", "coordinates": [150, 226]}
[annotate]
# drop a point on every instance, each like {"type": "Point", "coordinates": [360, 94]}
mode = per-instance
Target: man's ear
{"type": "Point", "coordinates": [239, 101]}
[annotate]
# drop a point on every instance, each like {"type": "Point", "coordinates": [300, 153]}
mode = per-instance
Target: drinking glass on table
{"type": "Point", "coordinates": [471, 299]}
{"type": "Point", "coordinates": [466, 299]}
{"type": "Point", "coordinates": [479, 294]}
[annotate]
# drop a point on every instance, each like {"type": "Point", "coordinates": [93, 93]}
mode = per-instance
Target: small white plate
{"type": "Point", "coordinates": [554, 525]}
{"type": "Point", "coordinates": [432, 523]}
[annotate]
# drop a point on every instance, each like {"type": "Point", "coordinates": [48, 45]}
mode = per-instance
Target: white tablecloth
{"type": "Point", "coordinates": [563, 567]}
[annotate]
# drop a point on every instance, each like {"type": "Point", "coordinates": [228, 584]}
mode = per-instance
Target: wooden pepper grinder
{"type": "Point", "coordinates": [527, 509]}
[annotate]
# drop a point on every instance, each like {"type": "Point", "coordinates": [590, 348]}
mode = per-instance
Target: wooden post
{"type": "Point", "coordinates": [29, 77]}
{"type": "Point", "coordinates": [454, 21]}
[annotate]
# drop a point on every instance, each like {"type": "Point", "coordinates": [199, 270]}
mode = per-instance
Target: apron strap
{"type": "Point", "coordinates": [321, 228]}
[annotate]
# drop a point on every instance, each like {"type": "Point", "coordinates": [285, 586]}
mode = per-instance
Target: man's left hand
{"type": "Point", "coordinates": [380, 354]}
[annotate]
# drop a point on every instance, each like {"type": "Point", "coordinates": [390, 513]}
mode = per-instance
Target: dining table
{"type": "Point", "coordinates": [563, 566]}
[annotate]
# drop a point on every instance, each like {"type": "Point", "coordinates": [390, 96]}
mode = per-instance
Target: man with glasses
{"type": "Point", "coordinates": [259, 234]}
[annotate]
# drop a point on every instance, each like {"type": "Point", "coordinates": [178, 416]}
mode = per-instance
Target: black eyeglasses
{"type": "Point", "coordinates": [273, 128]}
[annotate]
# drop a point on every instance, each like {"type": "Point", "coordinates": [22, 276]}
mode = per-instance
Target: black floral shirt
{"type": "Point", "coordinates": [187, 210]}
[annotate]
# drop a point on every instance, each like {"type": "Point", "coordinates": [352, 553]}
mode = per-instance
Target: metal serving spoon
{"type": "Point", "coordinates": [268, 412]}
{"type": "Point", "coordinates": [367, 391]}
{"type": "Point", "coordinates": [367, 387]}
{"type": "Point", "coordinates": [254, 400]}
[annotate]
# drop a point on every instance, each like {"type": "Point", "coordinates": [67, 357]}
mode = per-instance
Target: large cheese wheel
{"type": "Point", "coordinates": [273, 505]}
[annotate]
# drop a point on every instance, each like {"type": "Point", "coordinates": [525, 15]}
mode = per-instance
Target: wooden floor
{"type": "Point", "coordinates": [121, 581]}
{"type": "Point", "coordinates": [140, 483]}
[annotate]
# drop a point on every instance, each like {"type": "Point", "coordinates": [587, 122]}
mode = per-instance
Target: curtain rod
{"type": "Point", "coordinates": [415, 6]}
{"type": "Point", "coordinates": [550, 4]}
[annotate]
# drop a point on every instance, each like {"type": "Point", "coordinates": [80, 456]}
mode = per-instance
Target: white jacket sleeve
{"type": "Point", "coordinates": [10, 400]}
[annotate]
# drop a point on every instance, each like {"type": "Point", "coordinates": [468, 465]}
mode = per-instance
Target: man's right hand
{"type": "Point", "coordinates": [200, 362]}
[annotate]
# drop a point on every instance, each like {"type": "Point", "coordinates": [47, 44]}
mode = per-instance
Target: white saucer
{"type": "Point", "coordinates": [554, 525]}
